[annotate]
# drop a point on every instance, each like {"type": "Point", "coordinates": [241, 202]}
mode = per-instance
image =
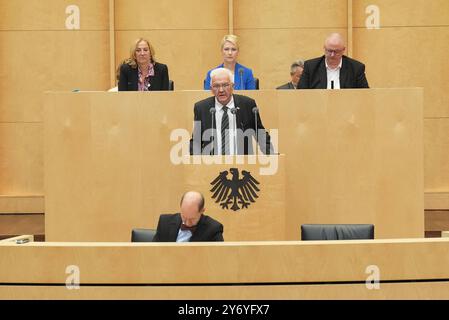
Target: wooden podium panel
{"type": "Point", "coordinates": [109, 169]}
{"type": "Point", "coordinates": [405, 269]}
{"type": "Point", "coordinates": [264, 219]}
{"type": "Point", "coordinates": [358, 158]}
{"type": "Point", "coordinates": [350, 156]}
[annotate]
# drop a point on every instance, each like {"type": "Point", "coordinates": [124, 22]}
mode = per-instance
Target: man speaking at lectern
{"type": "Point", "coordinates": [225, 123]}
{"type": "Point", "coordinates": [333, 70]}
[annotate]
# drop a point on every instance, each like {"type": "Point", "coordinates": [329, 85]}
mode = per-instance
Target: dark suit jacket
{"type": "Point", "coordinates": [207, 229]}
{"type": "Point", "coordinates": [287, 86]}
{"type": "Point", "coordinates": [129, 78]}
{"type": "Point", "coordinates": [244, 118]}
{"type": "Point", "coordinates": [352, 74]}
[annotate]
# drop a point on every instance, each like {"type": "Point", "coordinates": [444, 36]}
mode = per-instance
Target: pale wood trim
{"type": "Point", "coordinates": [433, 290]}
{"type": "Point", "coordinates": [112, 42]}
{"type": "Point", "coordinates": [350, 26]}
{"type": "Point", "coordinates": [436, 200]}
{"type": "Point", "coordinates": [10, 204]}
{"type": "Point", "coordinates": [230, 16]}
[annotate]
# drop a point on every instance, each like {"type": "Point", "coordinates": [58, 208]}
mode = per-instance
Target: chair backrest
{"type": "Point", "coordinates": [171, 85]}
{"type": "Point", "coordinates": [142, 235]}
{"type": "Point", "coordinates": [256, 83]}
{"type": "Point", "coordinates": [337, 231]}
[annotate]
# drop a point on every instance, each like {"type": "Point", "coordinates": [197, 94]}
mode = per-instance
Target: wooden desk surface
{"type": "Point", "coordinates": [409, 268]}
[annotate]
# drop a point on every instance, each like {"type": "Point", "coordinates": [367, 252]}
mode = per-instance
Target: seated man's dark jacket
{"type": "Point", "coordinates": [207, 229]}
{"type": "Point", "coordinates": [352, 74]}
{"type": "Point", "coordinates": [245, 119]}
{"type": "Point", "coordinates": [129, 78]}
{"type": "Point", "coordinates": [288, 85]}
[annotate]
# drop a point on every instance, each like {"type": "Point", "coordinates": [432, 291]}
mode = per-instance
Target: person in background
{"type": "Point", "coordinates": [190, 225]}
{"type": "Point", "coordinates": [296, 70]}
{"type": "Point", "coordinates": [141, 72]}
{"type": "Point", "coordinates": [333, 70]}
{"type": "Point", "coordinates": [242, 76]}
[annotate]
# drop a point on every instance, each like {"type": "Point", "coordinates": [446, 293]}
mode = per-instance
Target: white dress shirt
{"type": "Point", "coordinates": [184, 235]}
{"type": "Point", "coordinates": [333, 75]}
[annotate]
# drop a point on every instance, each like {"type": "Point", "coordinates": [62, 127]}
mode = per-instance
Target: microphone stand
{"type": "Point", "coordinates": [234, 112]}
{"type": "Point", "coordinates": [241, 78]}
{"type": "Point", "coordinates": [212, 115]}
{"type": "Point", "coordinates": [256, 111]}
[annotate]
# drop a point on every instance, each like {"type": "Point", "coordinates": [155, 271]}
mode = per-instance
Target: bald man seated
{"type": "Point", "coordinates": [333, 70]}
{"type": "Point", "coordinates": [190, 225]}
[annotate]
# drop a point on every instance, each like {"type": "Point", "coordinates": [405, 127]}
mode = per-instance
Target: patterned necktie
{"type": "Point", "coordinates": [225, 132]}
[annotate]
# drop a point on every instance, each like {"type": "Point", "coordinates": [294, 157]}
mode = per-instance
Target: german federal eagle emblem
{"type": "Point", "coordinates": [235, 193]}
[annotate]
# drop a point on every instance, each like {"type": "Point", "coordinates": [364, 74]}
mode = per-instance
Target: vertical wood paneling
{"type": "Point", "coordinates": [38, 54]}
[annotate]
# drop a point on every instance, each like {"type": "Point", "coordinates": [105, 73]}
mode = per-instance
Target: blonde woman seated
{"type": "Point", "coordinates": [141, 72]}
{"type": "Point", "coordinates": [243, 76]}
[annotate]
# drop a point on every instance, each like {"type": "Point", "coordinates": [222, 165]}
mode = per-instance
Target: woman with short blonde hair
{"type": "Point", "coordinates": [230, 38]}
{"type": "Point", "coordinates": [243, 76]}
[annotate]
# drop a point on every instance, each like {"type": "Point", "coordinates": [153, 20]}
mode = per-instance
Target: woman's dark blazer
{"type": "Point", "coordinates": [129, 78]}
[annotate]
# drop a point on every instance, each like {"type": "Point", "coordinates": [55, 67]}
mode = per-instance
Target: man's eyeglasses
{"type": "Point", "coordinates": [329, 51]}
{"type": "Point", "coordinates": [223, 86]}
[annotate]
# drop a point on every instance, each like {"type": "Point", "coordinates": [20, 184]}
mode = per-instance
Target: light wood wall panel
{"type": "Point", "coordinates": [38, 53]}
{"type": "Point", "coordinates": [21, 159]}
{"type": "Point", "coordinates": [436, 200]}
{"type": "Point", "coordinates": [436, 154]}
{"type": "Point", "coordinates": [170, 15]}
{"type": "Point", "coordinates": [404, 13]}
{"type": "Point", "coordinates": [34, 15]}
{"type": "Point", "coordinates": [295, 14]}
{"type": "Point", "coordinates": [48, 60]}
{"type": "Point", "coordinates": [21, 204]}
{"type": "Point", "coordinates": [399, 57]}
{"type": "Point", "coordinates": [413, 41]}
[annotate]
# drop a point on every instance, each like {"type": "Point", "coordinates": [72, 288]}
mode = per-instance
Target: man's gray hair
{"type": "Point", "coordinates": [295, 64]}
{"type": "Point", "coordinates": [219, 71]}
